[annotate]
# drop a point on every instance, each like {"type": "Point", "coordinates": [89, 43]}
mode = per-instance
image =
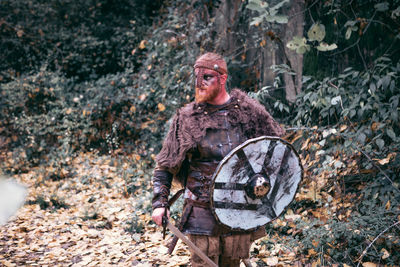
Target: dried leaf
{"type": "Point", "coordinates": [161, 107]}
{"type": "Point", "coordinates": [385, 253]}
{"type": "Point", "coordinates": [387, 206]}
{"type": "Point", "coordinates": [142, 97]}
{"type": "Point", "coordinates": [20, 33]}
{"type": "Point", "coordinates": [142, 44]}
{"type": "Point", "coordinates": [271, 261]}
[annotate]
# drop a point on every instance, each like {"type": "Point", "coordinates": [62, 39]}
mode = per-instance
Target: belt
{"type": "Point", "coordinates": [197, 203]}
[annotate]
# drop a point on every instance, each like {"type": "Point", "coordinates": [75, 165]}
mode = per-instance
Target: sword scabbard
{"type": "Point", "coordinates": [185, 216]}
{"type": "Point", "coordinates": [172, 244]}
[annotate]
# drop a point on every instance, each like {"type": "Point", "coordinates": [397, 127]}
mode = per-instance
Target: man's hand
{"type": "Point", "coordinates": [157, 215]}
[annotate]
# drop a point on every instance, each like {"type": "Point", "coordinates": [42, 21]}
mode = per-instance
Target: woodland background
{"type": "Point", "coordinates": [87, 89]}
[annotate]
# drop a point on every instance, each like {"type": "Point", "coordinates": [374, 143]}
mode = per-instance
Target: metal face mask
{"type": "Point", "coordinates": [208, 85]}
{"type": "Point", "coordinates": [200, 77]}
{"type": "Point", "coordinates": [215, 65]}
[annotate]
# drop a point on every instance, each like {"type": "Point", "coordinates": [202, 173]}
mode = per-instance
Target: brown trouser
{"type": "Point", "coordinates": [227, 250]}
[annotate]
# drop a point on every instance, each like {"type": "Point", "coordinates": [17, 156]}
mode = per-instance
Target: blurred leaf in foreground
{"type": "Point", "coordinates": [12, 196]}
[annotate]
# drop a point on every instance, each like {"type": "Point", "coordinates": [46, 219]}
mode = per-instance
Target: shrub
{"type": "Point", "coordinates": [354, 157]}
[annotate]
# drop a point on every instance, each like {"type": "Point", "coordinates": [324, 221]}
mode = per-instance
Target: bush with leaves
{"type": "Point", "coordinates": [356, 148]}
{"type": "Point", "coordinates": [84, 39]}
{"type": "Point", "coordinates": [367, 102]}
{"type": "Point", "coordinates": [363, 31]}
{"type": "Point", "coordinates": [50, 115]}
{"type": "Point", "coordinates": [41, 114]}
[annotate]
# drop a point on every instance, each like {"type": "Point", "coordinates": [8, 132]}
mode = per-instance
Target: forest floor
{"type": "Point", "coordinates": [88, 218]}
{"type": "Point", "coordinates": [82, 221]}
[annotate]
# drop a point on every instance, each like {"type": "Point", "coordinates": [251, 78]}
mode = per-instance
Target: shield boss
{"type": "Point", "coordinates": [255, 182]}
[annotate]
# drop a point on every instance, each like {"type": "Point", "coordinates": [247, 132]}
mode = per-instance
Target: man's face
{"type": "Point", "coordinates": [208, 87]}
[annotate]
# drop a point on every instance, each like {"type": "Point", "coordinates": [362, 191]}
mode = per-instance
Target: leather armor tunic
{"type": "Point", "coordinates": [216, 144]}
{"type": "Point", "coordinates": [200, 136]}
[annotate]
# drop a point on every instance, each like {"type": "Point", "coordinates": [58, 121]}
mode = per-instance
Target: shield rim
{"type": "Point", "coordinates": [229, 156]}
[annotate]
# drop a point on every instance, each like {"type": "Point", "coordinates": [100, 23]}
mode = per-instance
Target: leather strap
{"type": "Point", "coordinates": [199, 204]}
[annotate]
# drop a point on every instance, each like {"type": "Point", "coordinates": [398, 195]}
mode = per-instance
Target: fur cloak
{"type": "Point", "coordinates": [191, 122]}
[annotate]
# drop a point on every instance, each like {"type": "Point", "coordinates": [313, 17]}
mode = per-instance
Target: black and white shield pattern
{"type": "Point", "coordinates": [255, 182]}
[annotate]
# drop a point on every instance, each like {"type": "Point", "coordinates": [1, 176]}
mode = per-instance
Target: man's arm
{"type": "Point", "coordinates": [162, 180]}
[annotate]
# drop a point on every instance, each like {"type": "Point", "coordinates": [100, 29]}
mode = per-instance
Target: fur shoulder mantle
{"type": "Point", "coordinates": [191, 122]}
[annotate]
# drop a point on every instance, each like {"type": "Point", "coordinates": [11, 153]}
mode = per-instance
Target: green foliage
{"type": "Point", "coordinates": [362, 30]}
{"type": "Point", "coordinates": [343, 241]}
{"type": "Point", "coordinates": [358, 117]}
{"type": "Point", "coordinates": [41, 113]}
{"type": "Point", "coordinates": [315, 34]}
{"type": "Point", "coordinates": [353, 96]}
{"type": "Point", "coordinates": [135, 225]}
{"type": "Point", "coordinates": [368, 100]}
{"type": "Point", "coordinates": [54, 203]}
{"type": "Point", "coordinates": [69, 77]}
{"type": "Point", "coordinates": [278, 106]}
{"type": "Point", "coordinates": [84, 39]}
{"type": "Point", "coordinates": [79, 76]}
{"type": "Point", "coordinates": [48, 116]}
{"type": "Point", "coordinates": [267, 13]}
{"type": "Point", "coordinates": [358, 114]}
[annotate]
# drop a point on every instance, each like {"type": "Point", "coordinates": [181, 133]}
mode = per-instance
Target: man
{"type": "Point", "coordinates": [202, 133]}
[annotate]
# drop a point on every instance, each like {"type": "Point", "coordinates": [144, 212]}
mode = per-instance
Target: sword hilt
{"type": "Point", "coordinates": [165, 216]}
{"type": "Point", "coordinates": [164, 222]}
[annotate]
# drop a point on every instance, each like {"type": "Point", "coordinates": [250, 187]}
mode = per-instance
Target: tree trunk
{"type": "Point", "coordinates": [294, 27]}
{"type": "Point", "coordinates": [225, 28]}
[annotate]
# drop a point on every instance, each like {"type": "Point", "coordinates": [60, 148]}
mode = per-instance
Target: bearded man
{"type": "Point", "coordinates": [202, 133]}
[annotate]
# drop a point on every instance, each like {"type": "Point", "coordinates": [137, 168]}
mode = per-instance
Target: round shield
{"type": "Point", "coordinates": [255, 182]}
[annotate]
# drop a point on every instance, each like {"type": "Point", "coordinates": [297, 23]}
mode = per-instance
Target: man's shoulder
{"type": "Point", "coordinates": [187, 109]}
{"type": "Point", "coordinates": [239, 94]}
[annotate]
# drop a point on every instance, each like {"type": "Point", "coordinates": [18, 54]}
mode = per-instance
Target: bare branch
{"type": "Point", "coordinates": [379, 168]}
{"type": "Point", "coordinates": [373, 241]}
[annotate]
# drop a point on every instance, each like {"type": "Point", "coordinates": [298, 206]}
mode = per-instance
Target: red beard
{"type": "Point", "coordinates": [207, 96]}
